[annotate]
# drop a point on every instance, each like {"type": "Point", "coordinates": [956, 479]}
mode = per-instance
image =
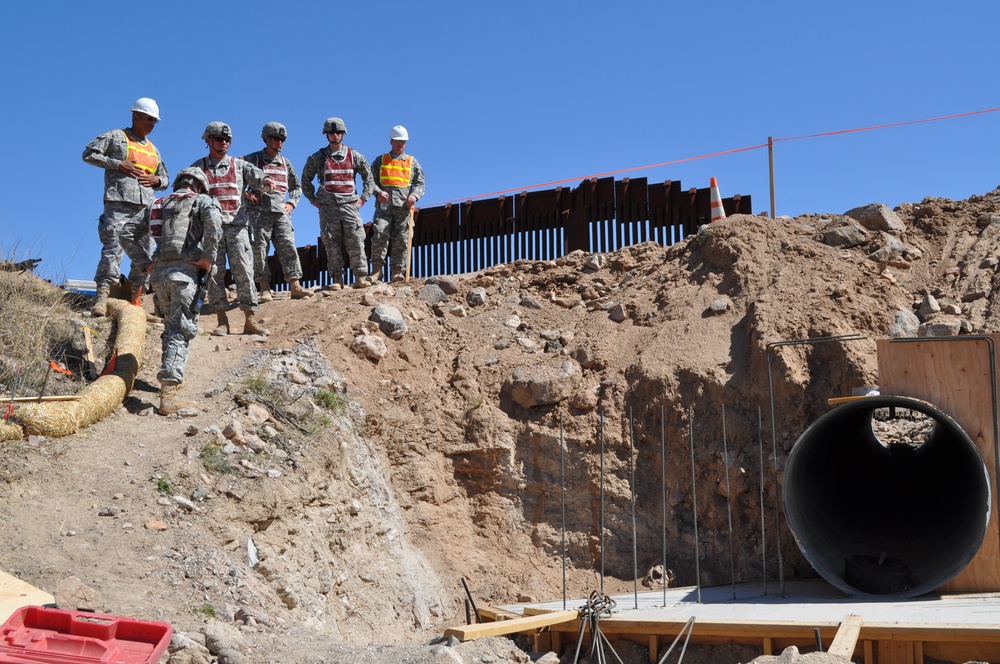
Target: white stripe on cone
{"type": "Point", "coordinates": [718, 212]}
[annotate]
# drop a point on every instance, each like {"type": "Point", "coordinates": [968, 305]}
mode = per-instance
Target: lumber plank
{"type": "Point", "coordinates": [492, 613]}
{"type": "Point", "coordinates": [504, 627]}
{"type": "Point", "coordinates": [846, 639]}
{"type": "Point", "coordinates": [836, 401]}
{"type": "Point", "coordinates": [15, 593]}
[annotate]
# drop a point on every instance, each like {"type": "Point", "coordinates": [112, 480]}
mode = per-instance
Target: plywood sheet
{"type": "Point", "coordinates": [954, 374]}
{"type": "Point", "coordinates": [15, 593]}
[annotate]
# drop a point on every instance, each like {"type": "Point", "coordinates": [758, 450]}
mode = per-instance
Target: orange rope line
{"type": "Point", "coordinates": [711, 154]}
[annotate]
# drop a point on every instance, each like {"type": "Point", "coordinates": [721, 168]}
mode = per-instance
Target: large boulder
{"type": "Point", "coordinates": [544, 384]}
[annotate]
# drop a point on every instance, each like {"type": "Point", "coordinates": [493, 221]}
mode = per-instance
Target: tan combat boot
{"type": "Point", "coordinates": [362, 282]}
{"type": "Point", "coordinates": [253, 326]}
{"type": "Point", "coordinates": [170, 402]}
{"type": "Point", "coordinates": [222, 329]}
{"type": "Point", "coordinates": [296, 290]}
{"type": "Point", "coordinates": [264, 291]}
{"type": "Point", "coordinates": [375, 275]}
{"type": "Point", "coordinates": [100, 307]}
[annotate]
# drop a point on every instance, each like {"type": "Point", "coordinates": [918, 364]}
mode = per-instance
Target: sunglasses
{"type": "Point", "coordinates": [277, 138]}
{"type": "Point", "coordinates": [335, 132]}
{"type": "Point", "coordinates": [222, 139]}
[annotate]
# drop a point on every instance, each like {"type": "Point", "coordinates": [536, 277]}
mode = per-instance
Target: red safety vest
{"type": "Point", "coordinates": [395, 172]}
{"type": "Point", "coordinates": [142, 155]}
{"type": "Point", "coordinates": [338, 176]}
{"type": "Point", "coordinates": [223, 187]}
{"type": "Point", "coordinates": [279, 173]}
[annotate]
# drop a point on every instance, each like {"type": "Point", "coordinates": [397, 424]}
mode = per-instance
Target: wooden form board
{"type": "Point", "coordinates": [15, 593]}
{"type": "Point", "coordinates": [953, 374]}
{"type": "Point", "coordinates": [513, 626]}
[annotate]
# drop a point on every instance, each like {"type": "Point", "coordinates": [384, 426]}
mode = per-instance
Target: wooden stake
{"type": "Point", "coordinates": [89, 365]}
{"type": "Point", "coordinates": [51, 397]}
{"type": "Point", "coordinates": [409, 246]}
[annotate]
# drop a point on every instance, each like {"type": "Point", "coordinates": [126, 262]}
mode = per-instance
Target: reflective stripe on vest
{"type": "Point", "coordinates": [156, 219]}
{"type": "Point", "coordinates": [142, 155]}
{"type": "Point", "coordinates": [338, 176]}
{"type": "Point", "coordinates": [223, 187]}
{"type": "Point", "coordinates": [279, 173]}
{"type": "Point", "coordinates": [395, 172]}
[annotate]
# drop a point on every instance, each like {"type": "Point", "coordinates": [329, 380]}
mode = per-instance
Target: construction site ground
{"type": "Point", "coordinates": [339, 528]}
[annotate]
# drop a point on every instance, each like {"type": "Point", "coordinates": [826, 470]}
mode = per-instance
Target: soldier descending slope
{"type": "Point", "coordinates": [187, 226]}
{"type": "Point", "coordinates": [270, 214]}
{"type": "Point", "coordinates": [335, 166]}
{"type": "Point", "coordinates": [227, 178]}
{"type": "Point", "coordinates": [132, 170]}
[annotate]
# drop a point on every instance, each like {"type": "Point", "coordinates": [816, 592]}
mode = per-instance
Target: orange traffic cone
{"type": "Point", "coordinates": [718, 212]}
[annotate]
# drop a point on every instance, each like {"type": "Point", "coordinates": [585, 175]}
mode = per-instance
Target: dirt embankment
{"type": "Point", "coordinates": [337, 521]}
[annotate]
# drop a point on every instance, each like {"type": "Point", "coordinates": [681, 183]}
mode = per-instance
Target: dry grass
{"type": "Point", "coordinates": [36, 325]}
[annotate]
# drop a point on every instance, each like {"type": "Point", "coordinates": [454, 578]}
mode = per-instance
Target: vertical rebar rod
{"type": "Point", "coordinates": [763, 537]}
{"type": "Point", "coordinates": [729, 502]}
{"type": "Point", "coordinates": [694, 507]}
{"type": "Point", "coordinates": [602, 501]}
{"type": "Point", "coordinates": [777, 496]}
{"type": "Point", "coordinates": [562, 492]}
{"type": "Point", "coordinates": [774, 443]}
{"type": "Point", "coordinates": [663, 482]}
{"type": "Point", "coordinates": [631, 463]}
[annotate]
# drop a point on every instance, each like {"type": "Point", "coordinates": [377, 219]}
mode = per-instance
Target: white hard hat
{"type": "Point", "coordinates": [398, 133]}
{"type": "Point", "coordinates": [147, 106]}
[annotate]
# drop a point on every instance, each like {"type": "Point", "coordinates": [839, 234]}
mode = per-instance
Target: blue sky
{"type": "Point", "coordinates": [505, 96]}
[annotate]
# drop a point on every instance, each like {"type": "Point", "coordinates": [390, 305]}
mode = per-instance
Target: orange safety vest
{"type": "Point", "coordinates": [395, 172]}
{"type": "Point", "coordinates": [142, 155]}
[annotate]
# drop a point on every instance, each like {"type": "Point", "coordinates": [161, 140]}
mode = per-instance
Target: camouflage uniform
{"type": "Point", "coordinates": [392, 219]}
{"type": "Point", "coordinates": [235, 241]}
{"type": "Point", "coordinates": [174, 276]}
{"type": "Point", "coordinates": [124, 197]}
{"type": "Point", "coordinates": [269, 222]}
{"type": "Point", "coordinates": [340, 220]}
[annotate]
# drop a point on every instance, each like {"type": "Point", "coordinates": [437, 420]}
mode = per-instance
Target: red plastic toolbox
{"type": "Point", "coordinates": [36, 635]}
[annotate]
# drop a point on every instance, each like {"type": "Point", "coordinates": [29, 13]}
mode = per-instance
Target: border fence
{"type": "Point", "coordinates": [600, 215]}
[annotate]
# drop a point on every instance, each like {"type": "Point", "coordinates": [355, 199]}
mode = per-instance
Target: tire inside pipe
{"type": "Point", "coordinates": [880, 518]}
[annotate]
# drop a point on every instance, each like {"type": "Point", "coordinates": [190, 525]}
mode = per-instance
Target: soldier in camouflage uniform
{"type": "Point", "coordinates": [340, 223]}
{"type": "Point", "coordinates": [228, 177]}
{"type": "Point", "coordinates": [133, 169]}
{"type": "Point", "coordinates": [187, 226]}
{"type": "Point", "coordinates": [399, 184]}
{"type": "Point", "coordinates": [270, 214]}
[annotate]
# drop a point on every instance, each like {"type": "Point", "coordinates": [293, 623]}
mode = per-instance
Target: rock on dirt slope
{"type": "Point", "coordinates": [349, 471]}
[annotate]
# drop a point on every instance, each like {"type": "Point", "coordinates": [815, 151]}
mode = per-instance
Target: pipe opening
{"type": "Point", "coordinates": [886, 496]}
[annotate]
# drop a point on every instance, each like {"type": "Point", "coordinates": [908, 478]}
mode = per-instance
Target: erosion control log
{"type": "Point", "coordinates": [898, 513]}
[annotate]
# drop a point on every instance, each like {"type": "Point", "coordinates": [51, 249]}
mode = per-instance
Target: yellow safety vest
{"type": "Point", "coordinates": [142, 155]}
{"type": "Point", "coordinates": [395, 172]}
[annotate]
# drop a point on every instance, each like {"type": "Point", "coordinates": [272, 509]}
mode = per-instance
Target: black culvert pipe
{"type": "Point", "coordinates": [878, 518]}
